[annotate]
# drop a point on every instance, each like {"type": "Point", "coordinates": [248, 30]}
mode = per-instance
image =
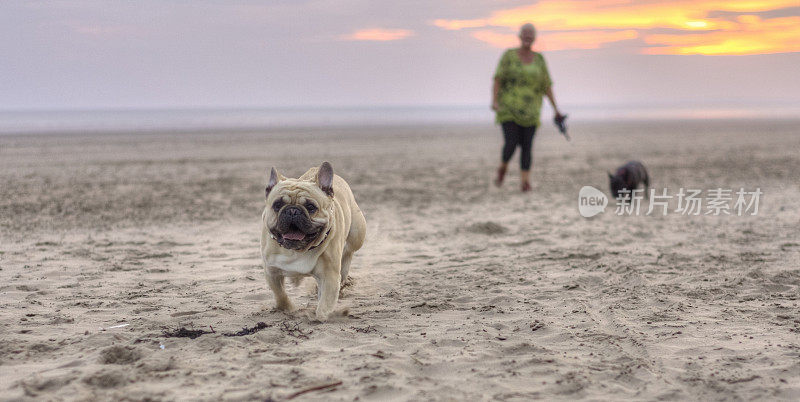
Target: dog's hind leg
{"type": "Point", "coordinates": [275, 280]}
{"type": "Point", "coordinates": [355, 239]}
{"type": "Point", "coordinates": [347, 257]}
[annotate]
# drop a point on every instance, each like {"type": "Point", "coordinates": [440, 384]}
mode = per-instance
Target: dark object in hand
{"type": "Point", "coordinates": [561, 122]}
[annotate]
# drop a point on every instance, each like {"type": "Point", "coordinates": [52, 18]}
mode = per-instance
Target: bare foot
{"type": "Point", "coordinates": [501, 174]}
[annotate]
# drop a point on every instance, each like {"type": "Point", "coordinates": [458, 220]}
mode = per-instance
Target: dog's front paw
{"type": "Point", "coordinates": [324, 315]}
{"type": "Point", "coordinates": [285, 306]}
{"type": "Point", "coordinates": [308, 314]}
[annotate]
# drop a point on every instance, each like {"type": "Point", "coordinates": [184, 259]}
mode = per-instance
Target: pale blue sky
{"type": "Point", "coordinates": [206, 53]}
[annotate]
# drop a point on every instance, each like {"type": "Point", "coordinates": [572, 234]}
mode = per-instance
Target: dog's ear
{"type": "Point", "coordinates": [325, 178]}
{"type": "Point", "coordinates": [274, 178]}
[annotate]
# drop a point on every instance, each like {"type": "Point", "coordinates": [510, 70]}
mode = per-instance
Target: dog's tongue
{"type": "Point", "coordinates": [294, 235]}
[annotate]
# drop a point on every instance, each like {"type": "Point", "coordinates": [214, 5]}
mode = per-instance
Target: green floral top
{"type": "Point", "coordinates": [521, 88]}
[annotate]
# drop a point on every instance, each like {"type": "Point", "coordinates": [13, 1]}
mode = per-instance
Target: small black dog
{"type": "Point", "coordinates": [629, 176]}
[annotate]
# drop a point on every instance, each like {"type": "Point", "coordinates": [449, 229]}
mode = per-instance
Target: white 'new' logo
{"type": "Point", "coordinates": [591, 201]}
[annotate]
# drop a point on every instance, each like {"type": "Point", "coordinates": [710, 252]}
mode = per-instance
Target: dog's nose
{"type": "Point", "coordinates": [293, 211]}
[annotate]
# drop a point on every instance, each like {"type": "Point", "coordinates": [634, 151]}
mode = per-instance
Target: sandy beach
{"type": "Point", "coordinates": [112, 243]}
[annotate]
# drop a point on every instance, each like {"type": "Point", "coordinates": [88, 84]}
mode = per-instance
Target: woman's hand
{"type": "Point", "coordinates": [552, 99]}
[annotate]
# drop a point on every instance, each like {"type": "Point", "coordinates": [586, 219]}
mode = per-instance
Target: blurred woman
{"type": "Point", "coordinates": [520, 81]}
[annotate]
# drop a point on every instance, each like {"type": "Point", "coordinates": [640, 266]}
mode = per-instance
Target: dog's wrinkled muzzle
{"type": "Point", "coordinates": [294, 228]}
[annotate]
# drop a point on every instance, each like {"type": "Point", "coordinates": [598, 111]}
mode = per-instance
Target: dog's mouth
{"type": "Point", "coordinates": [294, 235]}
{"type": "Point", "coordinates": [293, 238]}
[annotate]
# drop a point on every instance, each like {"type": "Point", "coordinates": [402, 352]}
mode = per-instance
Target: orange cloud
{"type": "Point", "coordinates": [775, 35]}
{"type": "Point", "coordinates": [454, 25]}
{"type": "Point", "coordinates": [693, 18]}
{"type": "Point", "coordinates": [378, 34]}
{"type": "Point", "coordinates": [496, 39]}
{"type": "Point", "coordinates": [558, 40]}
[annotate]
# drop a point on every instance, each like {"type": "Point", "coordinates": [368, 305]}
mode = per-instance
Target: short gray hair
{"type": "Point", "coordinates": [528, 26]}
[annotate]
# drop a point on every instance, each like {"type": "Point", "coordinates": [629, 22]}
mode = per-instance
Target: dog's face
{"type": "Point", "coordinates": [616, 184]}
{"type": "Point", "coordinates": [298, 211]}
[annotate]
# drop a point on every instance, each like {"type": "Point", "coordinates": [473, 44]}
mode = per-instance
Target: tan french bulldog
{"type": "Point", "coordinates": [311, 226]}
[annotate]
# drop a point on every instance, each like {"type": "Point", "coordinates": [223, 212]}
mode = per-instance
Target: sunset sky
{"type": "Point", "coordinates": [286, 53]}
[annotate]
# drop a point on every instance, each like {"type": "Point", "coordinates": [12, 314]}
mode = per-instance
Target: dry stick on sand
{"type": "Point", "coordinates": [315, 388]}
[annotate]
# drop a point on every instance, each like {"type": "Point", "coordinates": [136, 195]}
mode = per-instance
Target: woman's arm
{"type": "Point", "coordinates": [552, 98]}
{"type": "Point", "coordinates": [499, 74]}
{"type": "Point", "coordinates": [496, 94]}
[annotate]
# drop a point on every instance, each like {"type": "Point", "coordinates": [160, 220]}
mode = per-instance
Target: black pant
{"type": "Point", "coordinates": [518, 135]}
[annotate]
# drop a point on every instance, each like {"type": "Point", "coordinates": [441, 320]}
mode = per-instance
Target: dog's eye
{"type": "Point", "coordinates": [311, 208]}
{"type": "Point", "coordinates": [276, 206]}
